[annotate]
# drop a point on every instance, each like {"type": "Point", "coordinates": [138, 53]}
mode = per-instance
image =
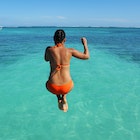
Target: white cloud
{"type": "Point", "coordinates": [61, 17]}
{"type": "Point", "coordinates": [53, 17]}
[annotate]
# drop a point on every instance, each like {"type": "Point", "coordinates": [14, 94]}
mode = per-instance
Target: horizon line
{"type": "Point", "coordinates": [42, 26]}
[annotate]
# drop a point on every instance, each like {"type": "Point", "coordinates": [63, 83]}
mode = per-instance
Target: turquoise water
{"type": "Point", "coordinates": [105, 102]}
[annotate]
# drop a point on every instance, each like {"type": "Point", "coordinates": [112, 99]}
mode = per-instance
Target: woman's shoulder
{"type": "Point", "coordinates": [71, 49]}
{"type": "Point", "coordinates": [49, 48]}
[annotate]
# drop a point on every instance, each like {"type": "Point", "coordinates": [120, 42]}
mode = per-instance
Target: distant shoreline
{"type": "Point", "coordinates": [64, 27]}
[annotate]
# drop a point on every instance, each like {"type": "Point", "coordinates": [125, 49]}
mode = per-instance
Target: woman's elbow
{"type": "Point", "coordinates": [86, 57]}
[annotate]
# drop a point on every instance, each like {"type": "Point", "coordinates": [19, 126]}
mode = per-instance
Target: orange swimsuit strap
{"type": "Point", "coordinates": [58, 45]}
{"type": "Point", "coordinates": [59, 66]}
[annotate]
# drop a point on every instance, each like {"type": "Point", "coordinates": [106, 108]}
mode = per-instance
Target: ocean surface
{"type": "Point", "coordinates": [105, 101]}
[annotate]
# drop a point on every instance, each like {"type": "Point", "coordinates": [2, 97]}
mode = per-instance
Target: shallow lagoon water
{"type": "Point", "coordinates": [105, 101]}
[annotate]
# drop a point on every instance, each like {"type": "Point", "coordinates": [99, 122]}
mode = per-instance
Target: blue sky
{"type": "Point", "coordinates": [124, 13]}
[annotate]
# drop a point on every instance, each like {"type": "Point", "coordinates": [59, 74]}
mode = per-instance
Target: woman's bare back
{"type": "Point", "coordinates": [59, 57]}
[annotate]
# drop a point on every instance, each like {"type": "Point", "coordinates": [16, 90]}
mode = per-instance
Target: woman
{"type": "Point", "coordinates": [60, 82]}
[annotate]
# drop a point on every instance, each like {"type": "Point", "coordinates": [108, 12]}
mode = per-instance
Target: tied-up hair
{"type": "Point", "coordinates": [59, 36]}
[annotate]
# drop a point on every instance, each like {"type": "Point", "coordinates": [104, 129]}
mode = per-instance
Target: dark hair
{"type": "Point", "coordinates": [59, 36]}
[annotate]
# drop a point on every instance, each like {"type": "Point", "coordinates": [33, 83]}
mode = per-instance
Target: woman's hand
{"type": "Point", "coordinates": [84, 41]}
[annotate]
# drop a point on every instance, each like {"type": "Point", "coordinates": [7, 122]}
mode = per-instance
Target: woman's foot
{"type": "Point", "coordinates": [64, 103]}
